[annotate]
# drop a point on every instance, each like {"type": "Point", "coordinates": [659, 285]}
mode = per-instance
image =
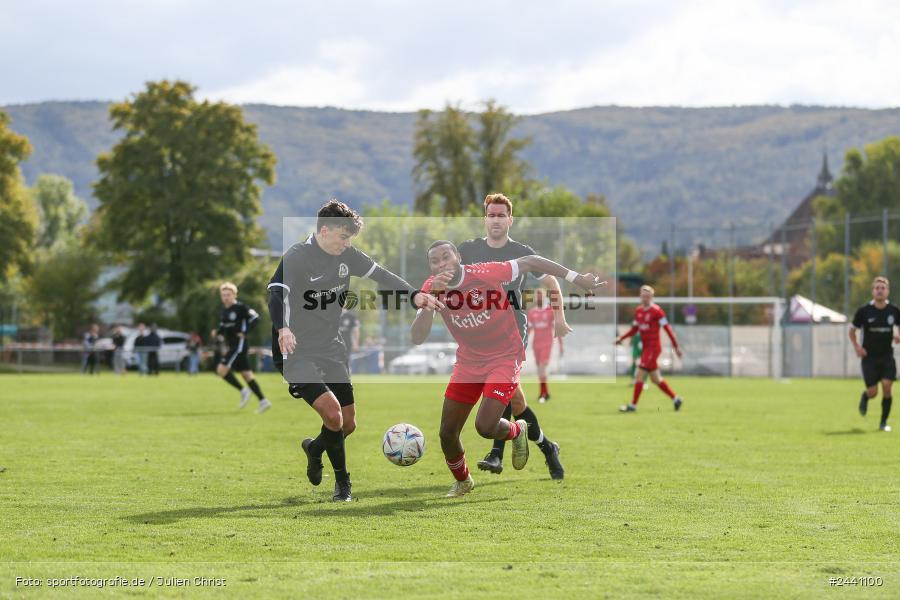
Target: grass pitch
{"type": "Point", "coordinates": [756, 489]}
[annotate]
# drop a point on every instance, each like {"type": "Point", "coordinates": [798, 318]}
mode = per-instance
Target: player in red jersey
{"type": "Point", "coordinates": [541, 326]}
{"type": "Point", "coordinates": [648, 319]}
{"type": "Point", "coordinates": [479, 316]}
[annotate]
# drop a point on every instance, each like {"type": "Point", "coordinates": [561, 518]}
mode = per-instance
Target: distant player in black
{"type": "Point", "coordinates": [349, 329]}
{"type": "Point", "coordinates": [235, 321]}
{"type": "Point", "coordinates": [498, 246]}
{"type": "Point", "coordinates": [877, 320]}
{"type": "Point", "coordinates": [306, 297]}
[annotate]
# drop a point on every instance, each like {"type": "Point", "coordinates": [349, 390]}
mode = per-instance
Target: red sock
{"type": "Point", "coordinates": [513, 431]}
{"type": "Point", "coordinates": [458, 467]}
{"type": "Point", "coordinates": [664, 386]}
{"type": "Point", "coordinates": [544, 391]}
{"type": "Point", "coordinates": [638, 387]}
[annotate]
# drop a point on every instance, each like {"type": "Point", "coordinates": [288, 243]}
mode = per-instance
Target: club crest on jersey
{"type": "Point", "coordinates": [232, 315]}
{"type": "Point", "coordinates": [475, 298]}
{"type": "Point", "coordinates": [343, 270]}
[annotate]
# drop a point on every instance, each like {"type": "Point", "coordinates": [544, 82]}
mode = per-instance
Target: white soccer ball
{"type": "Point", "coordinates": [403, 444]}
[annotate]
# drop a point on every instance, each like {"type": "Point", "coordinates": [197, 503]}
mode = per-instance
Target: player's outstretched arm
{"type": "Point", "coordinates": [627, 334]}
{"type": "Point", "coordinates": [252, 319]}
{"type": "Point", "coordinates": [278, 294]}
{"type": "Point", "coordinates": [539, 264]}
{"type": "Point", "coordinates": [860, 351]}
{"type": "Point", "coordinates": [560, 326]}
{"type": "Point", "coordinates": [671, 333]}
{"type": "Point", "coordinates": [388, 280]}
{"type": "Point", "coordinates": [421, 326]}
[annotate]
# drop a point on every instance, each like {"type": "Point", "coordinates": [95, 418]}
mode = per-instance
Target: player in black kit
{"type": "Point", "coordinates": [306, 296]}
{"type": "Point", "coordinates": [877, 320]}
{"type": "Point", "coordinates": [498, 246]}
{"type": "Point", "coordinates": [235, 321]}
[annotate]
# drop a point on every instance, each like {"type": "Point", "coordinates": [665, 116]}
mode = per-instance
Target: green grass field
{"type": "Point", "coordinates": [756, 489]}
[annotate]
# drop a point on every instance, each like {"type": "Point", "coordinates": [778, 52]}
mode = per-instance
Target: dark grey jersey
{"type": "Point", "coordinates": [236, 319]}
{"type": "Point", "coordinates": [315, 286]}
{"type": "Point", "coordinates": [877, 325]}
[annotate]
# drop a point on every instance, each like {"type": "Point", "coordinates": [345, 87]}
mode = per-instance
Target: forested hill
{"type": "Point", "coordinates": [700, 167]}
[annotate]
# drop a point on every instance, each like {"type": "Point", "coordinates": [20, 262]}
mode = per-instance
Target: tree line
{"type": "Point", "coordinates": [180, 192]}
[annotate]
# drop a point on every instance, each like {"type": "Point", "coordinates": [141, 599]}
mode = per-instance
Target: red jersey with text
{"type": "Point", "coordinates": [540, 320]}
{"type": "Point", "coordinates": [478, 313]}
{"type": "Point", "coordinates": [649, 321]}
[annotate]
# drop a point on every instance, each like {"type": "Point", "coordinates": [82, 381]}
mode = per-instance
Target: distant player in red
{"type": "Point", "coordinates": [648, 319]}
{"type": "Point", "coordinates": [479, 316]}
{"type": "Point", "coordinates": [540, 326]}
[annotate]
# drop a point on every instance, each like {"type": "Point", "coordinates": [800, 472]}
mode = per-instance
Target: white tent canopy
{"type": "Point", "coordinates": [803, 310]}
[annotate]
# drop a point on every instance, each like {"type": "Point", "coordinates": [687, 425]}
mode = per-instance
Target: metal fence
{"type": "Point", "coordinates": [830, 261]}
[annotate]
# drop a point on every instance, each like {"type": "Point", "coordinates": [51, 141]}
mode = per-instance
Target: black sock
{"type": "Point", "coordinates": [500, 445]}
{"type": "Point", "coordinates": [534, 428]}
{"type": "Point", "coordinates": [886, 408]}
{"type": "Point", "coordinates": [231, 379]}
{"type": "Point", "coordinates": [255, 387]}
{"type": "Point", "coordinates": [334, 447]}
{"type": "Point", "coordinates": [317, 446]}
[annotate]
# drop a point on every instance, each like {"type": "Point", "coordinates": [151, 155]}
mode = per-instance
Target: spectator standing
{"type": "Point", "coordinates": [153, 345]}
{"type": "Point", "coordinates": [141, 343]}
{"type": "Point", "coordinates": [194, 345]}
{"type": "Point", "coordinates": [118, 342]}
{"type": "Point", "coordinates": [89, 343]}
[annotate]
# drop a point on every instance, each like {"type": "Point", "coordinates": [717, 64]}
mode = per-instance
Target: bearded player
{"type": "Point", "coordinates": [489, 358]}
{"type": "Point", "coordinates": [540, 326]}
{"type": "Point", "coordinates": [498, 246]}
{"type": "Point", "coordinates": [649, 318]}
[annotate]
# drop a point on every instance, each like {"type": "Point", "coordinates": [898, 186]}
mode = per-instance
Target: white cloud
{"type": "Point", "coordinates": [531, 56]}
{"type": "Point", "coordinates": [337, 78]}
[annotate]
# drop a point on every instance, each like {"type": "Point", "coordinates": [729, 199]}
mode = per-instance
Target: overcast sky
{"type": "Point", "coordinates": [533, 56]}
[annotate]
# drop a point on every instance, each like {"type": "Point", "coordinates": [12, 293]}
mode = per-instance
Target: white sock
{"type": "Point", "coordinates": [540, 438]}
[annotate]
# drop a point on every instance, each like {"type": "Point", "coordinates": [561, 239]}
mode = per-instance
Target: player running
{"type": "Point", "coordinates": [540, 326]}
{"type": "Point", "coordinates": [490, 352]}
{"type": "Point", "coordinates": [235, 322]}
{"type": "Point", "coordinates": [877, 320]}
{"type": "Point", "coordinates": [498, 246]}
{"type": "Point", "coordinates": [649, 317]}
{"type": "Point", "coordinates": [306, 295]}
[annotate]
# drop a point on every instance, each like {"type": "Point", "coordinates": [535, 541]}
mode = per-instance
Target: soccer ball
{"type": "Point", "coordinates": [403, 444]}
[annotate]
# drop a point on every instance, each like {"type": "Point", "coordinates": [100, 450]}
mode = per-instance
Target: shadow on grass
{"type": "Point", "coordinates": [854, 431]}
{"type": "Point", "coordinates": [413, 505]}
{"type": "Point", "coordinates": [164, 517]}
{"type": "Point", "coordinates": [410, 499]}
{"type": "Point", "coordinates": [430, 491]}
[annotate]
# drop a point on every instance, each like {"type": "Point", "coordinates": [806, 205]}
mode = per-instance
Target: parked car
{"type": "Point", "coordinates": [599, 363]}
{"type": "Point", "coordinates": [172, 351]}
{"type": "Point", "coordinates": [427, 359]}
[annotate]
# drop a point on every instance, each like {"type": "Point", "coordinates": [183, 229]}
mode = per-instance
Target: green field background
{"type": "Point", "coordinates": [756, 489]}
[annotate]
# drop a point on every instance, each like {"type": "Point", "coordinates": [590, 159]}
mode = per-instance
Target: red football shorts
{"type": "Point", "coordinates": [649, 357]}
{"type": "Point", "coordinates": [497, 380]}
{"type": "Point", "coordinates": [542, 354]}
